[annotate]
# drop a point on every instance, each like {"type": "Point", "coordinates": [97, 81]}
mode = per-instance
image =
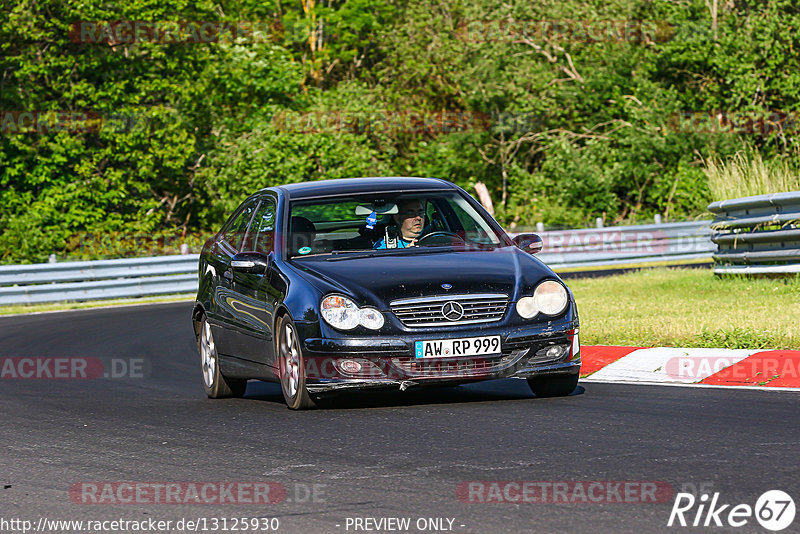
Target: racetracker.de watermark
{"type": "Point", "coordinates": [446, 366]}
{"type": "Point", "coordinates": [195, 492]}
{"type": "Point", "coordinates": [72, 368]}
{"type": "Point", "coordinates": [700, 367]}
{"type": "Point", "coordinates": [119, 244]}
{"type": "Point", "coordinates": [49, 121]}
{"type": "Point", "coordinates": [322, 367]}
{"type": "Point", "coordinates": [401, 121]}
{"type": "Point", "coordinates": [566, 31]}
{"type": "Point", "coordinates": [564, 492]}
{"type": "Point", "coordinates": [78, 122]}
{"type": "Point", "coordinates": [621, 242]}
{"type": "Point", "coordinates": [740, 122]}
{"type": "Point", "coordinates": [382, 121]}
{"type": "Point", "coordinates": [171, 32]}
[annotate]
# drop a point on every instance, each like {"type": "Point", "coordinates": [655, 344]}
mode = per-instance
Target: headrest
{"type": "Point", "coordinates": [301, 225]}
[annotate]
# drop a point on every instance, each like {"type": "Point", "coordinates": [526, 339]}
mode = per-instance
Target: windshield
{"type": "Point", "coordinates": [379, 222]}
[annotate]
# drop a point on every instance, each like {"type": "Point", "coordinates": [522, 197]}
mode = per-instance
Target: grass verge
{"type": "Point", "coordinates": [747, 174]}
{"type": "Point", "coordinates": [688, 308]}
{"type": "Point", "coordinates": [62, 306]}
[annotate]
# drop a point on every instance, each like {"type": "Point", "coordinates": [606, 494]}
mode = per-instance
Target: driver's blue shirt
{"type": "Point", "coordinates": [401, 243]}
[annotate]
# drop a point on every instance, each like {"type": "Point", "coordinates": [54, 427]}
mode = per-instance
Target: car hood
{"type": "Point", "coordinates": [378, 280]}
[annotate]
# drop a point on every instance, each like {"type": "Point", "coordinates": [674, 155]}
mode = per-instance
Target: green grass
{"type": "Point", "coordinates": [688, 308]}
{"type": "Point", "coordinates": [61, 306]}
{"type": "Point", "coordinates": [746, 174]}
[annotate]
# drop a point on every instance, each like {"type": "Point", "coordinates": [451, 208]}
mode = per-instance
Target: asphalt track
{"type": "Point", "coordinates": [372, 455]}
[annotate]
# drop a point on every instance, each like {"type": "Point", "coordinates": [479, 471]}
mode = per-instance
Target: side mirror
{"type": "Point", "coordinates": [530, 243]}
{"type": "Point", "coordinates": [250, 262]}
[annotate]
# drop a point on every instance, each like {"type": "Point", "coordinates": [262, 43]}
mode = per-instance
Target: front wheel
{"type": "Point", "coordinates": [215, 384]}
{"type": "Point", "coordinates": [553, 385]}
{"type": "Point", "coordinates": [292, 367]}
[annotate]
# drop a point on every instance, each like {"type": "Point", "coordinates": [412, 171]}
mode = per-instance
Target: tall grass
{"type": "Point", "coordinates": [747, 174]}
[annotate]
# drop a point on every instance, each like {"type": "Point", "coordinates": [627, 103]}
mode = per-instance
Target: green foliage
{"type": "Point", "coordinates": [568, 127]}
{"type": "Point", "coordinates": [267, 156]}
{"type": "Point", "coordinates": [334, 38]}
{"type": "Point", "coordinates": [110, 245]}
{"type": "Point", "coordinates": [133, 172]}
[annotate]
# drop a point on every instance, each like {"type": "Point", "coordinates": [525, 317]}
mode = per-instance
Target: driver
{"type": "Point", "coordinates": [409, 221]}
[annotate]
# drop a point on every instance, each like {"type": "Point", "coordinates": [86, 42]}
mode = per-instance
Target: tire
{"type": "Point", "coordinates": [291, 365]}
{"type": "Point", "coordinates": [553, 385]}
{"type": "Point", "coordinates": [216, 385]}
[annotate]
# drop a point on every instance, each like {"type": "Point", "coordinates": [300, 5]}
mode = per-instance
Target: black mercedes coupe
{"type": "Point", "coordinates": [378, 283]}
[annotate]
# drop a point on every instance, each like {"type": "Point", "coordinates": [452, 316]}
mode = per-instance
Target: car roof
{"type": "Point", "coordinates": [348, 186]}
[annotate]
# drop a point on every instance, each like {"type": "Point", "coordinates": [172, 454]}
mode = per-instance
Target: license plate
{"type": "Point", "coordinates": [470, 346]}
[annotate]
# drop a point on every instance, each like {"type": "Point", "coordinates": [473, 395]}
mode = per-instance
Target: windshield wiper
{"type": "Point", "coordinates": [334, 252]}
{"type": "Point", "coordinates": [364, 253]}
{"type": "Point", "coordinates": [351, 254]}
{"type": "Point", "coordinates": [407, 251]}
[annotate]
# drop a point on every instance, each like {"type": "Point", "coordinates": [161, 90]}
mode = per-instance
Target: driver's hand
{"type": "Point", "coordinates": [413, 242]}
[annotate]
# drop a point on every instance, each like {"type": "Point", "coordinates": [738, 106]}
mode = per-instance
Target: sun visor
{"type": "Point", "coordinates": [389, 208]}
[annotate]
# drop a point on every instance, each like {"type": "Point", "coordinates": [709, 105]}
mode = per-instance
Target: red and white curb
{"type": "Point", "coordinates": [745, 368]}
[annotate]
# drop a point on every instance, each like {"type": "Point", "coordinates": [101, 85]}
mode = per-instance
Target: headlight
{"type": "Point", "coordinates": [549, 298]}
{"type": "Point", "coordinates": [342, 313]}
{"type": "Point", "coordinates": [371, 318]}
{"type": "Point", "coordinates": [526, 307]}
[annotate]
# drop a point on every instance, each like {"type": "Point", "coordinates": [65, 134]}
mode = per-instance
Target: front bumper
{"type": "Point", "coordinates": [389, 362]}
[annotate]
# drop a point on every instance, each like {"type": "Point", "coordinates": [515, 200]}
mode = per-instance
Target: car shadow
{"type": "Point", "coordinates": [504, 389]}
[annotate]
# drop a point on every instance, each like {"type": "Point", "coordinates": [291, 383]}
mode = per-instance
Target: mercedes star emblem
{"type": "Point", "coordinates": [452, 311]}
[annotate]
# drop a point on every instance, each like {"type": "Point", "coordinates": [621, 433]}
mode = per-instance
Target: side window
{"type": "Point", "coordinates": [235, 232]}
{"type": "Point", "coordinates": [261, 236]}
{"type": "Point", "coordinates": [434, 217]}
{"type": "Point", "coordinates": [473, 232]}
{"type": "Point", "coordinates": [475, 227]}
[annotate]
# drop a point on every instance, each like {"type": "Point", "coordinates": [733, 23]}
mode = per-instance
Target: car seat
{"type": "Point", "coordinates": [302, 234]}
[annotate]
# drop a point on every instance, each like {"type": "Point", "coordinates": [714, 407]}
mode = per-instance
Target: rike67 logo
{"type": "Point", "coordinates": [774, 510]}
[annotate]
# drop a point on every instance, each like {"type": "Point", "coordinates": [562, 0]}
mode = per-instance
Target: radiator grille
{"type": "Point", "coordinates": [470, 309]}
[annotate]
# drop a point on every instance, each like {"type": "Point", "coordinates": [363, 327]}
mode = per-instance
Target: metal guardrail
{"type": "Point", "coordinates": [618, 246]}
{"type": "Point", "coordinates": [757, 235]}
{"type": "Point", "coordinates": [103, 279]}
{"type": "Point", "coordinates": [564, 251]}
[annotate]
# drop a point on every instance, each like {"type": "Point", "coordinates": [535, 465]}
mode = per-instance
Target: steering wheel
{"type": "Point", "coordinates": [440, 237]}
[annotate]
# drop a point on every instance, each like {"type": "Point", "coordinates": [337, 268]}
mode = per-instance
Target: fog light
{"type": "Point", "coordinates": [552, 353]}
{"type": "Point", "coordinates": [350, 366]}
{"type": "Point", "coordinates": [555, 351]}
